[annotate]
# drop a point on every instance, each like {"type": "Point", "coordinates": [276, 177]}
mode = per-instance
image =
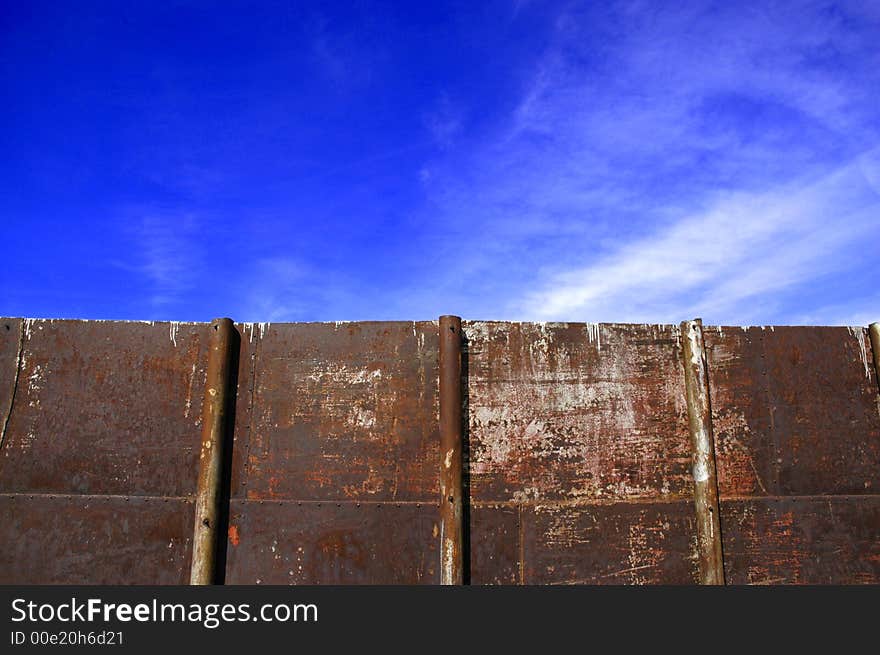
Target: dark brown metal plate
{"type": "Point", "coordinates": [344, 411]}
{"type": "Point", "coordinates": [576, 411]}
{"type": "Point", "coordinates": [287, 542]}
{"type": "Point", "coordinates": [833, 540]}
{"type": "Point", "coordinates": [619, 543]}
{"type": "Point", "coordinates": [795, 411]}
{"type": "Point", "coordinates": [10, 334]}
{"type": "Point", "coordinates": [94, 540]}
{"type": "Point", "coordinates": [249, 345]}
{"type": "Point", "coordinates": [494, 545]}
{"type": "Point", "coordinates": [579, 453]}
{"type": "Point", "coordinates": [106, 408]}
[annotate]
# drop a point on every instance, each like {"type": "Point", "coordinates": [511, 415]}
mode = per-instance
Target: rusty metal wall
{"type": "Point", "coordinates": [335, 478]}
{"type": "Point", "coordinates": [579, 454]}
{"type": "Point", "coordinates": [100, 442]}
{"type": "Point", "coordinates": [797, 432]}
{"type": "Point", "coordinates": [576, 437]}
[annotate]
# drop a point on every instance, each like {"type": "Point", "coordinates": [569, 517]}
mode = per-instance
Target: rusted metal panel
{"type": "Point", "coordinates": [216, 424]}
{"type": "Point", "coordinates": [578, 436]}
{"type": "Point", "coordinates": [345, 411]}
{"type": "Point", "coordinates": [576, 411]}
{"type": "Point", "coordinates": [75, 539]}
{"type": "Point", "coordinates": [10, 351]}
{"type": "Point", "coordinates": [745, 453]}
{"type": "Point", "coordinates": [249, 345]}
{"type": "Point", "coordinates": [286, 542]}
{"type": "Point", "coordinates": [494, 544]}
{"type": "Point", "coordinates": [106, 408]}
{"type": "Point", "coordinates": [830, 540]}
{"type": "Point", "coordinates": [795, 411]}
{"type": "Point", "coordinates": [703, 448]}
{"type": "Point", "coordinates": [616, 543]}
{"type": "Point", "coordinates": [874, 333]}
{"type": "Point", "coordinates": [451, 447]}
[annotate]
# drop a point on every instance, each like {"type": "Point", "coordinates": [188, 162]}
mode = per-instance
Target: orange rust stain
{"type": "Point", "coordinates": [273, 487]}
{"type": "Point", "coordinates": [233, 535]}
{"type": "Point", "coordinates": [320, 478]}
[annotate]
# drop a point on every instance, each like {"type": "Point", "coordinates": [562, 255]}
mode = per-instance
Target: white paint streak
{"type": "Point", "coordinates": [173, 328]}
{"type": "Point", "coordinates": [341, 374]}
{"type": "Point", "coordinates": [695, 347]}
{"type": "Point", "coordinates": [448, 559]}
{"type": "Point", "coordinates": [859, 335]}
{"type": "Point", "coordinates": [362, 417]}
{"type": "Point", "coordinates": [253, 327]}
{"type": "Point", "coordinates": [594, 334]}
{"type": "Point", "coordinates": [701, 470]}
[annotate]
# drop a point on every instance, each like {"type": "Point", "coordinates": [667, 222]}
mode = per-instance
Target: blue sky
{"type": "Point", "coordinates": [615, 161]}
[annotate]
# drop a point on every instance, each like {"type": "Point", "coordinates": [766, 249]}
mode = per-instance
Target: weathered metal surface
{"type": "Point", "coordinates": [579, 448]}
{"type": "Point", "coordinates": [795, 411]}
{"type": "Point", "coordinates": [495, 545]}
{"type": "Point", "coordinates": [106, 408]}
{"type": "Point", "coordinates": [216, 407]}
{"type": "Point", "coordinates": [617, 543]}
{"type": "Point", "coordinates": [11, 336]}
{"type": "Point", "coordinates": [576, 411]}
{"type": "Point", "coordinates": [344, 411]}
{"type": "Point", "coordinates": [248, 348]}
{"type": "Point", "coordinates": [703, 448]}
{"type": "Point", "coordinates": [285, 542]}
{"type": "Point", "coordinates": [874, 332]}
{"type": "Point", "coordinates": [830, 540]}
{"type": "Point", "coordinates": [451, 443]}
{"type": "Point", "coordinates": [579, 413]}
{"type": "Point", "coordinates": [75, 539]}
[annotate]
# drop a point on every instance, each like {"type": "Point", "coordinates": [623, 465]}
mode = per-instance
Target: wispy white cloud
{"type": "Point", "coordinates": [745, 246]}
{"type": "Point", "coordinates": [339, 56]}
{"type": "Point", "coordinates": [444, 122]}
{"type": "Point", "coordinates": [283, 288]}
{"type": "Point", "coordinates": [665, 162]}
{"type": "Point", "coordinates": [272, 290]}
{"type": "Point", "coordinates": [165, 254]}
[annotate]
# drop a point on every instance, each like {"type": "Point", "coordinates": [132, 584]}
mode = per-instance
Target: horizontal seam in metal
{"type": "Point", "coordinates": [802, 497]}
{"type": "Point", "coordinates": [292, 501]}
{"type": "Point", "coordinates": [26, 494]}
{"type": "Point", "coordinates": [637, 500]}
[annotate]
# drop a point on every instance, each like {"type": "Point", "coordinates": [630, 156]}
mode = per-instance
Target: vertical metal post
{"type": "Point", "coordinates": [215, 410]}
{"type": "Point", "coordinates": [696, 381]}
{"type": "Point", "coordinates": [874, 332]}
{"type": "Point", "coordinates": [451, 491]}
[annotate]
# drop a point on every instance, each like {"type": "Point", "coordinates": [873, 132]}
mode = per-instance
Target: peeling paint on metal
{"type": "Point", "coordinates": [858, 334]}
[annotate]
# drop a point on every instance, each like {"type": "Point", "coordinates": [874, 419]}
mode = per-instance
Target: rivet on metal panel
{"type": "Point", "coordinates": [874, 331]}
{"type": "Point", "coordinates": [216, 407]}
{"type": "Point", "coordinates": [451, 445]}
{"type": "Point", "coordinates": [703, 453]}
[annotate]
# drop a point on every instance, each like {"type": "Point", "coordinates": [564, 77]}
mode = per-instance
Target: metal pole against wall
{"type": "Point", "coordinates": [215, 411]}
{"type": "Point", "coordinates": [703, 453]}
{"type": "Point", "coordinates": [874, 332]}
{"type": "Point", "coordinates": [451, 442]}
